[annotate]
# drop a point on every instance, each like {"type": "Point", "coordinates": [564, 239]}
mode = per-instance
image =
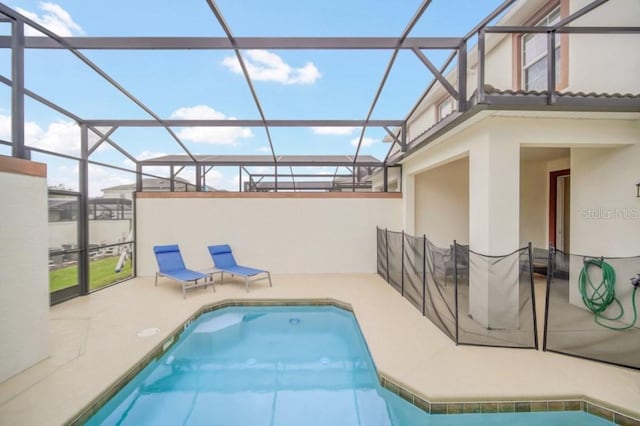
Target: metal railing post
{"type": "Point", "coordinates": [462, 77]}
{"type": "Point", "coordinates": [481, 58]}
{"type": "Point", "coordinates": [17, 91]}
{"type": "Point", "coordinates": [551, 67]}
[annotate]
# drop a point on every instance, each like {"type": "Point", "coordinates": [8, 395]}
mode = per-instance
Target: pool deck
{"type": "Point", "coordinates": [94, 340]}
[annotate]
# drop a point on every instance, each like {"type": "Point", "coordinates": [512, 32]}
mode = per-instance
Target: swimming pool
{"type": "Point", "coordinates": [283, 366]}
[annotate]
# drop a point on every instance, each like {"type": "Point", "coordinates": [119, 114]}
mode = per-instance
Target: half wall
{"type": "Point", "coordinates": [281, 232]}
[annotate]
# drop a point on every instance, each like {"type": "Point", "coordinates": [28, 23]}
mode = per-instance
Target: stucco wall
{"type": "Point", "coordinates": [24, 279]}
{"type": "Point", "coordinates": [283, 235]}
{"type": "Point", "coordinates": [442, 203]}
{"type": "Point", "coordinates": [612, 60]}
{"type": "Point", "coordinates": [605, 212]}
{"type": "Point", "coordinates": [533, 203]}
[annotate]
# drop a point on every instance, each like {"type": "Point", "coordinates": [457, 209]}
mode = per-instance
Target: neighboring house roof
{"type": "Point", "coordinates": [305, 185]}
{"type": "Point", "coordinates": [157, 183]}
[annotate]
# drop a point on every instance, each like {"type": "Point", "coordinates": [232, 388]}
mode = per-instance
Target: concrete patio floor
{"type": "Point", "coordinates": [94, 341]}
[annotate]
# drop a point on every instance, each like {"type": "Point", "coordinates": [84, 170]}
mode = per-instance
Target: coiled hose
{"type": "Point", "coordinates": [599, 298]}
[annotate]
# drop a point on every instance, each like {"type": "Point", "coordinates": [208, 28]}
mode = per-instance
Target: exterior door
{"type": "Point", "coordinates": [559, 209]}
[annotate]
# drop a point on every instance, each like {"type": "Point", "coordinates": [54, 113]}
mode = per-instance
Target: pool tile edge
{"type": "Point", "coordinates": [599, 409]}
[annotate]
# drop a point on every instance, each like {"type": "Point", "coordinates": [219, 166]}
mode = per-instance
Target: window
{"type": "Point", "coordinates": [445, 108]}
{"type": "Point", "coordinates": [534, 55]}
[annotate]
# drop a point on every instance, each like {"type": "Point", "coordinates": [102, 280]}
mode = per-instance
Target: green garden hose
{"type": "Point", "coordinates": [599, 298]}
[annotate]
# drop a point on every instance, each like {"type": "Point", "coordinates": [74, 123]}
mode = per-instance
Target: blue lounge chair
{"type": "Point", "coordinates": [224, 261]}
{"type": "Point", "coordinates": [171, 265]}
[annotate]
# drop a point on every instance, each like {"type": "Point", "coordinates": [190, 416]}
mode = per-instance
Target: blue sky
{"type": "Point", "coordinates": [207, 84]}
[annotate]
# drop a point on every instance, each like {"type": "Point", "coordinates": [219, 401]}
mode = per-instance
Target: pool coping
{"type": "Point", "coordinates": [431, 406]}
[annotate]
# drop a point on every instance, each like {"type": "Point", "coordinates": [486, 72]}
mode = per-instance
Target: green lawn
{"type": "Point", "coordinates": [101, 273]}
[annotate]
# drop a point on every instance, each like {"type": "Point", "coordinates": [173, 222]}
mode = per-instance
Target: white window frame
{"type": "Point", "coordinates": [442, 110]}
{"type": "Point", "coordinates": [548, 20]}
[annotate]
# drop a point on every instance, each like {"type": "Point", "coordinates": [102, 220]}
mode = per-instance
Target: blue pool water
{"type": "Point", "coordinates": [279, 366]}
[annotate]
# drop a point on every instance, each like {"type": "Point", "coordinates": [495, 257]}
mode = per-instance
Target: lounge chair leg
{"type": "Point", "coordinates": [156, 279]}
{"type": "Point", "coordinates": [246, 283]}
{"type": "Point", "coordinates": [269, 276]}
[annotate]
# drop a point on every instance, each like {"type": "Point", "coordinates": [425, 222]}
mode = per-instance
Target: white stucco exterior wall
{"type": "Point", "coordinates": [612, 60]}
{"type": "Point", "coordinates": [605, 212]}
{"type": "Point", "coordinates": [533, 203]}
{"type": "Point", "coordinates": [442, 203]}
{"type": "Point", "coordinates": [283, 235]}
{"type": "Point", "coordinates": [24, 278]}
{"type": "Point", "coordinates": [605, 215]}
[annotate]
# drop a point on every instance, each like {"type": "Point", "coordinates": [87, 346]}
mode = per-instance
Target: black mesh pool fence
{"type": "Point", "coordinates": [394, 259]}
{"type": "Point", "coordinates": [495, 299]}
{"type": "Point", "coordinates": [592, 308]}
{"type": "Point", "coordinates": [382, 253]}
{"type": "Point", "coordinates": [413, 270]}
{"type": "Point", "coordinates": [449, 286]}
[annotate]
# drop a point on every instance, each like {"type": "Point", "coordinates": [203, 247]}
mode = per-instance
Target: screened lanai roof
{"type": "Point", "coordinates": [266, 160]}
{"type": "Point", "coordinates": [227, 78]}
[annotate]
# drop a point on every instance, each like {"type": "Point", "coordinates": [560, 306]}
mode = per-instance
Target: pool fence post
{"type": "Point", "coordinates": [550, 258]}
{"type": "Point", "coordinates": [402, 266]}
{"type": "Point", "coordinates": [386, 248]}
{"type": "Point", "coordinates": [455, 284]}
{"type": "Point", "coordinates": [424, 274]}
{"type": "Point", "coordinates": [533, 296]}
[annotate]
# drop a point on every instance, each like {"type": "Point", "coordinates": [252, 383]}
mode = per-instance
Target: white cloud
{"type": "Point", "coordinates": [145, 155]}
{"type": "Point", "coordinates": [102, 177]}
{"type": "Point", "coordinates": [221, 181]}
{"type": "Point", "coordinates": [209, 135]}
{"type": "Point", "coordinates": [365, 141]}
{"type": "Point", "coordinates": [53, 18]}
{"type": "Point", "coordinates": [60, 136]}
{"type": "Point", "coordinates": [263, 65]}
{"type": "Point", "coordinates": [264, 149]}
{"type": "Point", "coordinates": [338, 131]}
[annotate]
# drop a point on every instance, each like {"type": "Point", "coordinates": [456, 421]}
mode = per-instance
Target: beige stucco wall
{"type": "Point", "coordinates": [605, 212]}
{"type": "Point", "coordinates": [533, 203]}
{"type": "Point", "coordinates": [24, 279]}
{"type": "Point", "coordinates": [498, 62]}
{"type": "Point", "coordinates": [442, 203]}
{"type": "Point", "coordinates": [612, 60]}
{"type": "Point", "coordinates": [605, 215]}
{"type": "Point", "coordinates": [283, 235]}
{"type": "Point", "coordinates": [520, 131]}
